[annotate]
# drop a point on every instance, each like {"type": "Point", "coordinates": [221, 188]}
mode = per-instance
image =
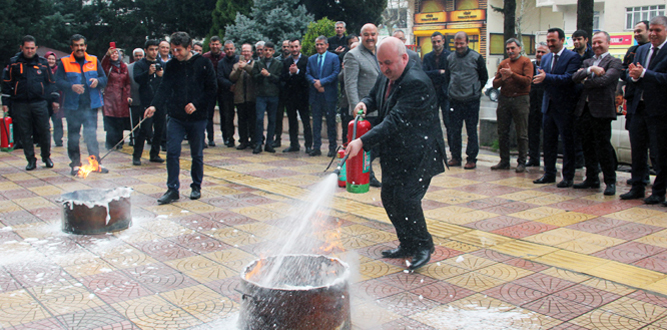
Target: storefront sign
{"type": "Point", "coordinates": [438, 17]}
{"type": "Point", "coordinates": [621, 39]}
{"type": "Point", "coordinates": [467, 15]}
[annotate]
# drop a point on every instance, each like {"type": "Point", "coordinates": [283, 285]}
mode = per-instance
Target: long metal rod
{"type": "Point", "coordinates": [124, 137]}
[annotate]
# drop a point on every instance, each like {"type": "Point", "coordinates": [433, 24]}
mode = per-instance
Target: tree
{"type": "Point", "coordinates": [509, 21]}
{"type": "Point", "coordinates": [323, 27]}
{"type": "Point", "coordinates": [355, 13]}
{"type": "Point", "coordinates": [225, 14]}
{"type": "Point", "coordinates": [585, 13]}
{"type": "Point", "coordinates": [270, 20]}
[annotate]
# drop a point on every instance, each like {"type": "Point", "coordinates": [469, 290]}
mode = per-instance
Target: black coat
{"type": "Point", "coordinates": [433, 71]}
{"type": "Point", "coordinates": [225, 66]}
{"type": "Point", "coordinates": [409, 137]}
{"type": "Point", "coordinates": [296, 86]}
{"type": "Point", "coordinates": [148, 83]}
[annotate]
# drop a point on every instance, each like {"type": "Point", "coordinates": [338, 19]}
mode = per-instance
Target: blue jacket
{"type": "Point", "coordinates": [558, 85]}
{"type": "Point", "coordinates": [328, 77]}
{"type": "Point", "coordinates": [69, 73]}
{"type": "Point", "coordinates": [654, 83]}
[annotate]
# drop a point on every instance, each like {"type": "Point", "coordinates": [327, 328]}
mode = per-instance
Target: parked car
{"type": "Point", "coordinates": [491, 92]}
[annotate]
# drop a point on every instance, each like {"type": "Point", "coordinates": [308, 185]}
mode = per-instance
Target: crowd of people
{"type": "Point", "coordinates": [171, 89]}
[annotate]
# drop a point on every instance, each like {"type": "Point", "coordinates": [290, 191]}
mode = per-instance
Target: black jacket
{"type": "Point", "coordinates": [409, 137]}
{"type": "Point", "coordinates": [432, 70]}
{"type": "Point", "coordinates": [225, 66]}
{"type": "Point", "coordinates": [296, 86]}
{"type": "Point", "coordinates": [28, 80]}
{"type": "Point", "coordinates": [192, 81]}
{"type": "Point", "coordinates": [267, 86]}
{"type": "Point", "coordinates": [148, 83]}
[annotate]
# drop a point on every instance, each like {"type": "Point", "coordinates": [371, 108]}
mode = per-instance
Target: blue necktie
{"type": "Point", "coordinates": [320, 61]}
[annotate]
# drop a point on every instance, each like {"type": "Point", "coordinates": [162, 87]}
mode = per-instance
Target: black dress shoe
{"type": "Point", "coordinates": [60, 144]}
{"type": "Point", "coordinates": [157, 159]}
{"type": "Point", "coordinates": [195, 193]}
{"type": "Point", "coordinates": [374, 182]}
{"type": "Point", "coordinates": [204, 146]}
{"type": "Point", "coordinates": [211, 143]}
{"type": "Point", "coordinates": [242, 146]}
{"type": "Point", "coordinates": [610, 190]}
{"type": "Point", "coordinates": [230, 144]}
{"type": "Point", "coordinates": [531, 163]}
{"type": "Point", "coordinates": [170, 196]}
{"type": "Point", "coordinates": [291, 149]}
{"type": "Point", "coordinates": [48, 162]}
{"type": "Point", "coordinates": [545, 179]}
{"type": "Point", "coordinates": [276, 144]}
{"type": "Point", "coordinates": [633, 194]}
{"type": "Point", "coordinates": [654, 199]}
{"type": "Point", "coordinates": [136, 161]}
{"type": "Point", "coordinates": [257, 149]}
{"type": "Point", "coordinates": [587, 184]}
{"type": "Point", "coordinates": [565, 183]}
{"type": "Point", "coordinates": [331, 153]}
{"type": "Point", "coordinates": [32, 164]}
{"type": "Point", "coordinates": [421, 258]}
{"type": "Point", "coordinates": [309, 150]}
{"type": "Point", "coordinates": [269, 149]}
{"type": "Point", "coordinates": [396, 253]}
{"type": "Point", "coordinates": [315, 152]}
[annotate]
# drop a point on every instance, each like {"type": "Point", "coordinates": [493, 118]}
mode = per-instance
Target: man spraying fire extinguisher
{"type": "Point", "coordinates": [411, 146]}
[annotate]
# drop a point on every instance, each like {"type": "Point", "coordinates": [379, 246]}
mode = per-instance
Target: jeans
{"type": "Point", "coordinates": [268, 104]}
{"type": "Point", "coordinates": [513, 109]}
{"type": "Point", "coordinates": [33, 115]}
{"type": "Point", "coordinates": [467, 111]}
{"type": "Point", "coordinates": [176, 131]}
{"type": "Point", "coordinates": [328, 109]}
{"type": "Point", "coordinates": [86, 117]}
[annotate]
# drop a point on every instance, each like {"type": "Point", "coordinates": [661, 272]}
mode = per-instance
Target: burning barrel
{"type": "Point", "coordinates": [96, 211]}
{"type": "Point", "coordinates": [297, 292]}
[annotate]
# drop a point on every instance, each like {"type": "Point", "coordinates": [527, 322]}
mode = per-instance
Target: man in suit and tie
{"type": "Point", "coordinates": [322, 75]}
{"type": "Point", "coordinates": [595, 110]}
{"type": "Point", "coordinates": [558, 104]}
{"type": "Point", "coordinates": [361, 69]}
{"type": "Point", "coordinates": [296, 96]}
{"type": "Point", "coordinates": [648, 75]}
{"type": "Point", "coordinates": [412, 150]}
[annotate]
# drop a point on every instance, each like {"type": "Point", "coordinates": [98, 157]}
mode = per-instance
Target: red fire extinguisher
{"type": "Point", "coordinates": [6, 134]}
{"type": "Point", "coordinates": [342, 176]}
{"type": "Point", "coordinates": [358, 168]}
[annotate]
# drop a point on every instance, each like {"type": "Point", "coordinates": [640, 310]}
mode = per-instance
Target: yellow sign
{"type": "Point", "coordinates": [467, 15]}
{"type": "Point", "coordinates": [438, 17]}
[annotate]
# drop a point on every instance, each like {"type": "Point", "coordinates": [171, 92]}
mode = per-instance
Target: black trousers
{"type": "Point", "coordinates": [554, 124]}
{"type": "Point", "coordinates": [534, 134]}
{"type": "Point", "coordinates": [280, 114]}
{"type": "Point", "coordinates": [247, 115]}
{"type": "Point", "coordinates": [300, 106]}
{"type": "Point", "coordinates": [227, 114]}
{"type": "Point", "coordinates": [29, 115]}
{"type": "Point", "coordinates": [648, 132]}
{"type": "Point", "coordinates": [596, 138]}
{"type": "Point", "coordinates": [157, 123]}
{"type": "Point", "coordinates": [402, 200]}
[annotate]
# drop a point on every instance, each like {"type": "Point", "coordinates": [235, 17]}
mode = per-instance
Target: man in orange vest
{"type": "Point", "coordinates": [81, 78]}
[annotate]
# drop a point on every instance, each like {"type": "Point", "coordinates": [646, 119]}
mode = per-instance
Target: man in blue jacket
{"type": "Point", "coordinates": [435, 67]}
{"type": "Point", "coordinates": [81, 79]}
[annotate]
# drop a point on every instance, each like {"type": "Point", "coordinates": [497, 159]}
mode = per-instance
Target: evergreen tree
{"type": "Point", "coordinates": [324, 27]}
{"type": "Point", "coordinates": [270, 20]}
{"type": "Point", "coordinates": [355, 13]}
{"type": "Point", "coordinates": [225, 14]}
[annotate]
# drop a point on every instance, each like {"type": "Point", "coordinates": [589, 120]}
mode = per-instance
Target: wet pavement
{"type": "Point", "coordinates": [509, 254]}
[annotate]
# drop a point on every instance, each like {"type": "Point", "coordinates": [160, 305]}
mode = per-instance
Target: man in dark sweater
{"type": "Point", "coordinates": [266, 74]}
{"type": "Point", "coordinates": [148, 74]}
{"type": "Point", "coordinates": [188, 88]}
{"type": "Point", "coordinates": [226, 92]}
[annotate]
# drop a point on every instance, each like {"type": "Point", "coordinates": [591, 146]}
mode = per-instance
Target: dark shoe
{"type": "Point", "coordinates": [545, 179]}
{"type": "Point", "coordinates": [195, 193]}
{"type": "Point", "coordinates": [32, 164]}
{"type": "Point", "coordinates": [396, 253]}
{"type": "Point", "coordinates": [309, 150]}
{"type": "Point", "coordinates": [531, 163]}
{"type": "Point", "coordinates": [374, 182]}
{"type": "Point", "coordinates": [164, 147]}
{"type": "Point", "coordinates": [291, 149]}
{"type": "Point", "coordinates": [454, 162]}
{"type": "Point", "coordinates": [469, 166]}
{"type": "Point", "coordinates": [269, 149]}
{"type": "Point", "coordinates": [156, 159]}
{"type": "Point", "coordinates": [579, 163]}
{"type": "Point", "coordinates": [131, 144]}
{"type": "Point", "coordinates": [74, 171]}
{"type": "Point", "coordinates": [205, 146]}
{"type": "Point", "coordinates": [119, 147]}
{"type": "Point", "coordinates": [48, 162]}
{"type": "Point", "coordinates": [315, 152]}
{"type": "Point", "coordinates": [230, 144]}
{"type": "Point", "coordinates": [421, 258]}
{"type": "Point", "coordinates": [170, 196]}
{"type": "Point", "coordinates": [276, 144]}
{"type": "Point", "coordinates": [633, 194]}
{"type": "Point", "coordinates": [242, 146]}
{"type": "Point", "coordinates": [520, 168]}
{"type": "Point", "coordinates": [257, 149]}
{"type": "Point", "coordinates": [211, 143]}
{"type": "Point", "coordinates": [501, 166]}
{"type": "Point", "coordinates": [587, 184]}
{"type": "Point", "coordinates": [59, 144]}
{"type": "Point", "coordinates": [565, 183]}
{"type": "Point", "coordinates": [104, 170]}
{"type": "Point", "coordinates": [331, 153]}
{"type": "Point", "coordinates": [136, 161]}
{"type": "Point", "coordinates": [610, 190]}
{"type": "Point", "coordinates": [654, 199]}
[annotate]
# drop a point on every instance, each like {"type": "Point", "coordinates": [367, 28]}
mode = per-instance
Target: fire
{"type": "Point", "coordinates": [332, 240]}
{"type": "Point", "coordinates": [255, 269]}
{"type": "Point", "coordinates": [93, 166]}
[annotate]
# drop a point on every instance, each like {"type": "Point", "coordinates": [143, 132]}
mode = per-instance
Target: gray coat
{"type": "Point", "coordinates": [361, 69]}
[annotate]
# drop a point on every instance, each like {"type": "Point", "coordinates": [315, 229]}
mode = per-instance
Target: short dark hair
{"type": "Point", "coordinates": [580, 33]}
{"type": "Point", "coordinates": [215, 38]}
{"type": "Point", "coordinates": [295, 39]}
{"type": "Point", "coordinates": [437, 33]}
{"type": "Point", "coordinates": [151, 42]}
{"type": "Point", "coordinates": [646, 23]}
{"type": "Point", "coordinates": [77, 37]}
{"type": "Point", "coordinates": [197, 44]}
{"type": "Point", "coordinates": [28, 38]}
{"type": "Point", "coordinates": [561, 33]}
{"type": "Point", "coordinates": [269, 44]}
{"type": "Point", "coordinates": [180, 39]}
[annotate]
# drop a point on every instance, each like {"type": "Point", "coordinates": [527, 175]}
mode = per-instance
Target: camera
{"type": "Point", "coordinates": [158, 67]}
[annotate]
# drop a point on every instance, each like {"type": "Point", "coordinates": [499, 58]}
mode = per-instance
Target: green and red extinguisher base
{"type": "Point", "coordinates": [7, 149]}
{"type": "Point", "coordinates": [357, 188]}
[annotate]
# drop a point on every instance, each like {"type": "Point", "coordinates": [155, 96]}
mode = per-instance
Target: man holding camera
{"type": "Point", "coordinates": [148, 74]}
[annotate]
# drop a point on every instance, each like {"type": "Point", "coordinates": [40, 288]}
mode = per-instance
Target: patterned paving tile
{"type": "Point", "coordinates": [557, 307]}
{"type": "Point", "coordinates": [514, 294]}
{"type": "Point", "coordinates": [544, 283]}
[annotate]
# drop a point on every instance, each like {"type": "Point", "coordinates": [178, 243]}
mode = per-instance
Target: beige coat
{"type": "Point", "coordinates": [245, 87]}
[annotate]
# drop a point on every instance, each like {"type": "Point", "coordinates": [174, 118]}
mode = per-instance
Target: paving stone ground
{"type": "Point", "coordinates": [509, 254]}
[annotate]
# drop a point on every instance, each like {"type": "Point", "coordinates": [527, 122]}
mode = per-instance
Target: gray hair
{"type": "Point", "coordinates": [229, 42]}
{"type": "Point", "coordinates": [659, 20]}
{"type": "Point", "coordinates": [260, 44]}
{"type": "Point", "coordinates": [514, 40]}
{"type": "Point", "coordinates": [541, 43]}
{"type": "Point", "coordinates": [322, 38]}
{"type": "Point", "coordinates": [341, 23]}
{"type": "Point", "coordinates": [605, 34]}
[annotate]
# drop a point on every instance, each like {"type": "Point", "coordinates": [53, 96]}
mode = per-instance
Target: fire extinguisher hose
{"type": "Point", "coordinates": [342, 161]}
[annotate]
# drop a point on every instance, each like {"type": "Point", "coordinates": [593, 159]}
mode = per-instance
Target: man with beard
{"type": "Point", "coordinates": [535, 115]}
{"type": "Point", "coordinates": [435, 66]}
{"type": "Point", "coordinates": [226, 93]}
{"type": "Point", "coordinates": [296, 97]}
{"type": "Point", "coordinates": [148, 74]}
{"type": "Point", "coordinates": [215, 54]}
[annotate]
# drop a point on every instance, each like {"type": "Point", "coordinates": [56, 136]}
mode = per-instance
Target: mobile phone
{"type": "Point", "coordinates": [112, 44]}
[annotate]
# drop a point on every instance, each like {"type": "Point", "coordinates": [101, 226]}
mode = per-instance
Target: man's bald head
{"type": "Point", "coordinates": [393, 57]}
{"type": "Point", "coordinates": [461, 42]}
{"type": "Point", "coordinates": [369, 36]}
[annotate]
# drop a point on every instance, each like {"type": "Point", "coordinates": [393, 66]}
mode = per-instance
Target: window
{"type": "Point", "coordinates": [596, 20]}
{"type": "Point", "coordinates": [634, 15]}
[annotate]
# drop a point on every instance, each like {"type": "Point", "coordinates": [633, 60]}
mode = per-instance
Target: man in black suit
{"type": "Point", "coordinates": [410, 143]}
{"type": "Point", "coordinates": [595, 111]}
{"type": "Point", "coordinates": [648, 75]}
{"type": "Point", "coordinates": [435, 67]}
{"type": "Point", "coordinates": [296, 96]}
{"type": "Point", "coordinates": [558, 105]}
